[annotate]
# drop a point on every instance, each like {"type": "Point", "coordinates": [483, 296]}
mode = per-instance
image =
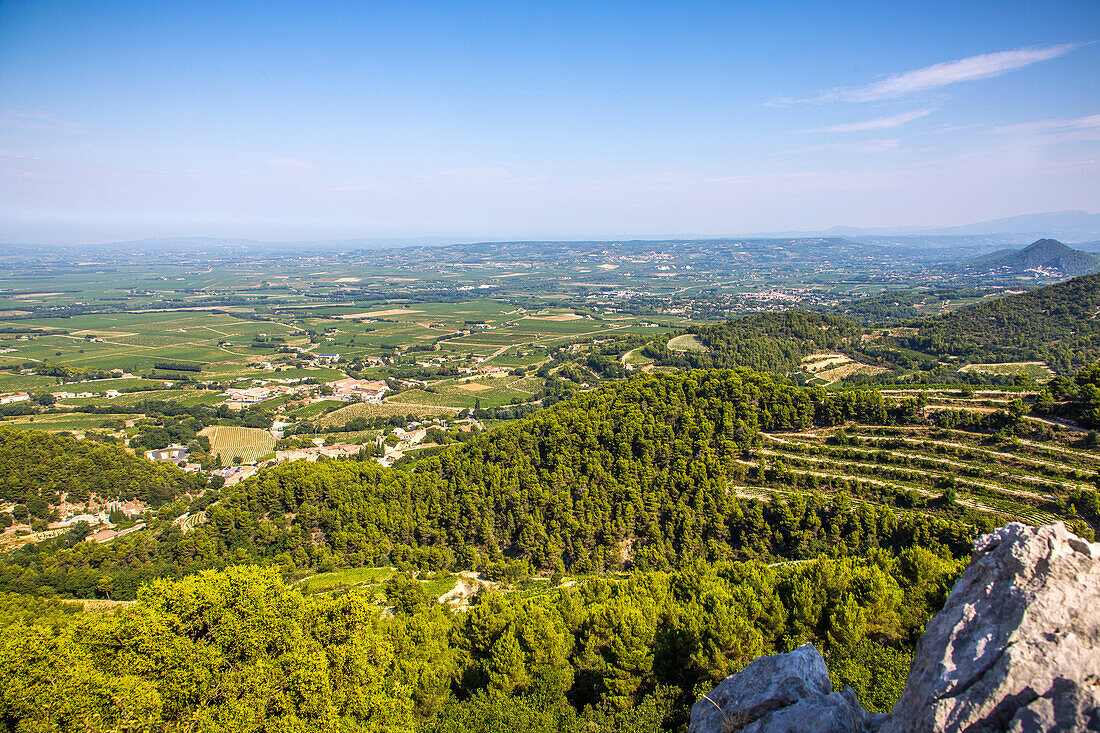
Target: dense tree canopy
{"type": "Point", "coordinates": [772, 342]}
{"type": "Point", "coordinates": [240, 651]}
{"type": "Point", "coordinates": [36, 465]}
{"type": "Point", "coordinates": [1055, 324]}
{"type": "Point", "coordinates": [635, 473]}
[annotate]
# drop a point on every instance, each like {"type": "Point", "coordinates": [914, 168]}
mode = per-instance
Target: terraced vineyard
{"type": "Point", "coordinates": [931, 469]}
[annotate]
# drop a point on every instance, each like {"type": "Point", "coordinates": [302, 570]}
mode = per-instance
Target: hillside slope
{"type": "Point", "coordinates": [1057, 324]}
{"type": "Point", "coordinates": [35, 466]}
{"type": "Point", "coordinates": [772, 342]}
{"type": "Point", "coordinates": [1046, 254]}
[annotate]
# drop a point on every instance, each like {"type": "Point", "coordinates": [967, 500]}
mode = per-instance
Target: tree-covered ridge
{"type": "Point", "coordinates": [240, 651]}
{"type": "Point", "coordinates": [637, 473]}
{"type": "Point", "coordinates": [1057, 324]}
{"type": "Point", "coordinates": [771, 342]}
{"type": "Point", "coordinates": [636, 470]}
{"type": "Point", "coordinates": [36, 468]}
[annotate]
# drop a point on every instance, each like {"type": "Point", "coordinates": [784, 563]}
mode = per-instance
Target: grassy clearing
{"type": "Point", "coordinates": [686, 342]}
{"type": "Point", "coordinates": [367, 579]}
{"type": "Point", "coordinates": [1037, 370]}
{"type": "Point", "coordinates": [438, 586]}
{"type": "Point", "coordinates": [344, 580]}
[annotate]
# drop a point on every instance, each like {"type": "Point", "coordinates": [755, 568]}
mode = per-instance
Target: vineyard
{"type": "Point", "coordinates": [931, 469]}
{"type": "Point", "coordinates": [230, 443]}
{"type": "Point", "coordinates": [344, 415]}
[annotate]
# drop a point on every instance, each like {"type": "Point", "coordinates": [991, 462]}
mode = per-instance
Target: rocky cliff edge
{"type": "Point", "coordinates": [1015, 648]}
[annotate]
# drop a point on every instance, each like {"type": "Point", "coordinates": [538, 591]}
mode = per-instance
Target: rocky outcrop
{"type": "Point", "coordinates": [784, 692]}
{"type": "Point", "coordinates": [1015, 648]}
{"type": "Point", "coordinates": [1018, 639]}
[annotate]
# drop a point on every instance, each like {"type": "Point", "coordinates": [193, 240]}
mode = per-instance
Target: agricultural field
{"type": "Point", "coordinates": [344, 415]}
{"type": "Point", "coordinates": [832, 368]}
{"type": "Point", "coordinates": [27, 382]}
{"type": "Point", "coordinates": [1037, 370]}
{"type": "Point", "coordinates": [686, 342]}
{"type": "Point", "coordinates": [933, 469]}
{"type": "Point", "coordinates": [180, 396]}
{"type": "Point", "coordinates": [344, 580]}
{"type": "Point", "coordinates": [230, 442]}
{"type": "Point", "coordinates": [135, 341]}
{"type": "Point", "coordinates": [76, 422]}
{"type": "Point", "coordinates": [466, 392]}
{"type": "Point", "coordinates": [368, 580]}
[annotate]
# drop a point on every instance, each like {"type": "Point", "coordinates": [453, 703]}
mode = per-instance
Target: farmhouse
{"type": "Point", "coordinates": [233, 475]}
{"type": "Point", "coordinates": [12, 398]}
{"type": "Point", "coordinates": [129, 508]}
{"type": "Point", "coordinates": [327, 358]}
{"type": "Point", "coordinates": [312, 454]}
{"type": "Point", "coordinates": [408, 438]}
{"type": "Point", "coordinates": [369, 390]}
{"type": "Point", "coordinates": [241, 398]}
{"type": "Point", "coordinates": [172, 453]}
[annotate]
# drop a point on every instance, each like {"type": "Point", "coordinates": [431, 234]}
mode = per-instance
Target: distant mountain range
{"type": "Point", "coordinates": [1047, 254]}
{"type": "Point", "coordinates": [1068, 226]}
{"type": "Point", "coordinates": [1072, 226]}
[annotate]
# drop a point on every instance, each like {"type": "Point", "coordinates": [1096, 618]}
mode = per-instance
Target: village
{"type": "Point", "coordinates": [108, 520]}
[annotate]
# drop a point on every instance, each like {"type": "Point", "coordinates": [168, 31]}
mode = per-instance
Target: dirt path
{"type": "Point", "coordinates": [1065, 425]}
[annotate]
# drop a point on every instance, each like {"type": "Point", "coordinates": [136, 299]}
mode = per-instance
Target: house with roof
{"type": "Point", "coordinates": [172, 453]}
{"type": "Point", "coordinates": [368, 390]}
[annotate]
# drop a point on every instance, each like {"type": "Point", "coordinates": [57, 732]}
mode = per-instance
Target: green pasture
{"type": "Point", "coordinates": [75, 421]}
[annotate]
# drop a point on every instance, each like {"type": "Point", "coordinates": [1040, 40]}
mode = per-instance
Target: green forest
{"type": "Point", "coordinates": [241, 650]}
{"type": "Point", "coordinates": [1055, 324]}
{"type": "Point", "coordinates": [634, 474]}
{"type": "Point", "coordinates": [771, 342]}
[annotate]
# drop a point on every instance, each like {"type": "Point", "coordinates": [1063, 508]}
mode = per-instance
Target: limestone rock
{"type": "Point", "coordinates": [1017, 643]}
{"type": "Point", "coordinates": [837, 712]}
{"type": "Point", "coordinates": [1015, 649]}
{"type": "Point", "coordinates": [783, 692]}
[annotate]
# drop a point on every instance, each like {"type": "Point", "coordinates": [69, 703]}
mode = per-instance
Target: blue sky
{"type": "Point", "coordinates": [539, 120]}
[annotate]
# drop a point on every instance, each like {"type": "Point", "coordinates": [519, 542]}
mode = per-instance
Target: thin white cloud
{"type": "Point", "coordinates": [291, 164]}
{"type": "Point", "coordinates": [1091, 122]}
{"type": "Point", "coordinates": [936, 76]}
{"type": "Point", "coordinates": [865, 146]}
{"type": "Point", "coordinates": [38, 121]}
{"type": "Point", "coordinates": [879, 123]}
